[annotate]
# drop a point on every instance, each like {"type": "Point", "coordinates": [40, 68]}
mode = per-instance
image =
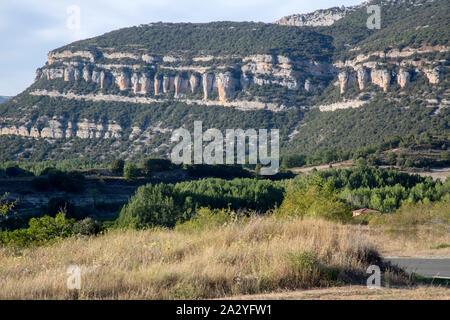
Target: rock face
{"type": "Point", "coordinates": [146, 84]}
{"type": "Point", "coordinates": [403, 78]}
{"type": "Point", "coordinates": [363, 78]}
{"type": "Point", "coordinates": [122, 80]}
{"type": "Point", "coordinates": [157, 85]}
{"type": "Point", "coordinates": [381, 78]}
{"type": "Point", "coordinates": [317, 18]}
{"type": "Point", "coordinates": [207, 83]}
{"type": "Point", "coordinates": [186, 77]}
{"type": "Point", "coordinates": [344, 81]}
{"type": "Point", "coordinates": [60, 129]}
{"type": "Point", "coordinates": [225, 85]}
{"type": "Point", "coordinates": [433, 75]}
{"type": "Point", "coordinates": [194, 83]}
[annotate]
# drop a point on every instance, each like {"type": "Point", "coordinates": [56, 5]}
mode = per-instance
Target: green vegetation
{"type": "Point", "coordinates": [330, 194]}
{"type": "Point", "coordinates": [215, 38]}
{"type": "Point", "coordinates": [71, 181]}
{"type": "Point", "coordinates": [315, 199]}
{"type": "Point", "coordinates": [117, 166]}
{"type": "Point", "coordinates": [368, 126]}
{"type": "Point", "coordinates": [402, 25]}
{"type": "Point", "coordinates": [167, 204]}
{"type": "Point", "coordinates": [47, 229]}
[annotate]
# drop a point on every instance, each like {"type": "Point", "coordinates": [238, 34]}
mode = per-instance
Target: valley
{"type": "Point", "coordinates": [99, 177]}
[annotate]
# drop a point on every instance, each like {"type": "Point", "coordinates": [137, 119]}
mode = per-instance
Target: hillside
{"type": "Point", "coordinates": [323, 79]}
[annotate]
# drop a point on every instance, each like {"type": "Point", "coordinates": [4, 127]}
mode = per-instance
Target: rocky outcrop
{"type": "Point", "coordinates": [180, 76]}
{"type": "Point", "coordinates": [123, 80]}
{"type": "Point", "coordinates": [239, 104]}
{"type": "Point", "coordinates": [158, 83]}
{"type": "Point", "coordinates": [308, 85]}
{"type": "Point", "coordinates": [194, 82]}
{"type": "Point", "coordinates": [363, 78]}
{"type": "Point", "coordinates": [433, 75]}
{"type": "Point", "coordinates": [344, 81]}
{"type": "Point", "coordinates": [166, 84]}
{"type": "Point", "coordinates": [317, 18]}
{"type": "Point", "coordinates": [225, 86]}
{"type": "Point", "coordinates": [403, 78]}
{"type": "Point", "coordinates": [146, 84]}
{"type": "Point", "coordinates": [381, 78]}
{"type": "Point", "coordinates": [60, 129]}
{"type": "Point", "coordinates": [207, 83]}
{"type": "Point", "coordinates": [58, 56]}
{"type": "Point", "coordinates": [53, 130]}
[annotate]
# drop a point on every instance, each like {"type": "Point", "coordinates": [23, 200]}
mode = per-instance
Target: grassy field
{"type": "Point", "coordinates": [262, 255]}
{"type": "Point", "coordinates": [421, 292]}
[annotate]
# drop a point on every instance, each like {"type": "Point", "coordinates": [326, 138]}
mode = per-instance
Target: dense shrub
{"type": "Point", "coordinates": [150, 165]}
{"type": "Point", "coordinates": [72, 181]}
{"type": "Point", "coordinates": [87, 227]}
{"type": "Point", "coordinates": [316, 199]}
{"type": "Point", "coordinates": [131, 172]}
{"type": "Point", "coordinates": [292, 161]}
{"type": "Point", "coordinates": [39, 231]}
{"type": "Point", "coordinates": [117, 166]}
{"type": "Point", "coordinates": [165, 204]}
{"type": "Point", "coordinates": [16, 171]}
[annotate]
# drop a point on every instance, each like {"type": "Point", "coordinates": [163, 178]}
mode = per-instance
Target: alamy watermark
{"type": "Point", "coordinates": [73, 21]}
{"type": "Point", "coordinates": [374, 20]}
{"type": "Point", "coordinates": [374, 281]}
{"type": "Point", "coordinates": [74, 278]}
{"type": "Point", "coordinates": [234, 144]}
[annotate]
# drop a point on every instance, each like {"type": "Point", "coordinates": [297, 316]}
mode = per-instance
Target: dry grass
{"type": "Point", "coordinates": [358, 293]}
{"type": "Point", "coordinates": [424, 242]}
{"type": "Point", "coordinates": [262, 255]}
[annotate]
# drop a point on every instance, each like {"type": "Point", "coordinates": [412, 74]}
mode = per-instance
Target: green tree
{"type": "Point", "coordinates": [131, 172]}
{"type": "Point", "coordinates": [117, 166]}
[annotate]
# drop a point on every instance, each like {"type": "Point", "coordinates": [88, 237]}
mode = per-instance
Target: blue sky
{"type": "Point", "coordinates": [30, 29]}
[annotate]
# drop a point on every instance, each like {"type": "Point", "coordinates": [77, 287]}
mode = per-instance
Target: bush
{"type": "Point", "coordinates": [317, 200]}
{"type": "Point", "coordinates": [72, 181]}
{"type": "Point", "coordinates": [131, 172]}
{"type": "Point", "coordinates": [167, 204]}
{"type": "Point", "coordinates": [40, 231]}
{"type": "Point", "coordinates": [15, 171]}
{"type": "Point", "coordinates": [154, 165]}
{"type": "Point", "coordinates": [87, 227]}
{"type": "Point", "coordinates": [152, 205]}
{"type": "Point", "coordinates": [117, 167]}
{"type": "Point", "coordinates": [292, 161]}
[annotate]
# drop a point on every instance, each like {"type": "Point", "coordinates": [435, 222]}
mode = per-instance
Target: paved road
{"type": "Point", "coordinates": [424, 267]}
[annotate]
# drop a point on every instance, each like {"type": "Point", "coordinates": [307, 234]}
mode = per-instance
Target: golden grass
{"type": "Point", "coordinates": [266, 254]}
{"type": "Point", "coordinates": [357, 293]}
{"type": "Point", "coordinates": [425, 241]}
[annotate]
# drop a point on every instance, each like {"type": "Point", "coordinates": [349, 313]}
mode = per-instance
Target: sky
{"type": "Point", "coordinates": [29, 29]}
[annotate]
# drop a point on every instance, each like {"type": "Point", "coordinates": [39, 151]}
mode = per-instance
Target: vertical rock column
{"type": "Point", "coordinates": [194, 82]}
{"type": "Point", "coordinates": [344, 80]}
{"type": "Point", "coordinates": [207, 82]}
{"type": "Point", "coordinates": [225, 86]}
